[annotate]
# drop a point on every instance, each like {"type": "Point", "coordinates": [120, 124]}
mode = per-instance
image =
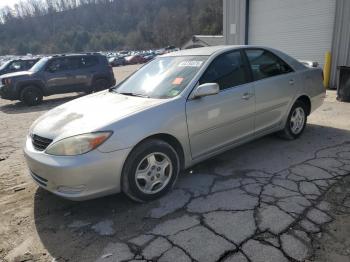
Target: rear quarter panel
{"type": "Point", "coordinates": [312, 86]}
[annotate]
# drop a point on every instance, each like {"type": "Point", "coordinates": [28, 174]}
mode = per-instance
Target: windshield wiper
{"type": "Point", "coordinates": [133, 94]}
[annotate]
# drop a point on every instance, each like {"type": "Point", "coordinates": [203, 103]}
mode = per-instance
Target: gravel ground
{"type": "Point", "coordinates": [270, 200]}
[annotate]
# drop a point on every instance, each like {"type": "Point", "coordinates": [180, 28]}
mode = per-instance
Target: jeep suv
{"type": "Point", "coordinates": [16, 65]}
{"type": "Point", "coordinates": [57, 75]}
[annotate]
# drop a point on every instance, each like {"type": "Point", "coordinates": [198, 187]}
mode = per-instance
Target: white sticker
{"type": "Point", "coordinates": [191, 64]}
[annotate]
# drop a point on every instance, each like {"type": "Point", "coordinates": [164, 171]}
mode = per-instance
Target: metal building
{"type": "Point", "coordinates": [305, 29]}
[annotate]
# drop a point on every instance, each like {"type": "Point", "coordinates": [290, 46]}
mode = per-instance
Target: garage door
{"type": "Point", "coordinates": [302, 29]}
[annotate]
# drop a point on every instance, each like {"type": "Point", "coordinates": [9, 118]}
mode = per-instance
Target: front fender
{"type": "Point", "coordinates": [20, 84]}
{"type": "Point", "coordinates": [167, 118]}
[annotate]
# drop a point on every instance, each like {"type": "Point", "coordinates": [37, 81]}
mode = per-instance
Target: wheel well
{"type": "Point", "coordinates": [171, 140]}
{"type": "Point", "coordinates": [20, 89]}
{"type": "Point", "coordinates": [306, 100]}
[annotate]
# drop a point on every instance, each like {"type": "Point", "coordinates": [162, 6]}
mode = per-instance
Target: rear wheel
{"type": "Point", "coordinates": [31, 95]}
{"type": "Point", "coordinates": [100, 84]}
{"type": "Point", "coordinates": [296, 121]}
{"type": "Point", "coordinates": [150, 171]}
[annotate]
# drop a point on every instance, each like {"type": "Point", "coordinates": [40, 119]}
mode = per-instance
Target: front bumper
{"type": "Point", "coordinates": [82, 177]}
{"type": "Point", "coordinates": [7, 92]}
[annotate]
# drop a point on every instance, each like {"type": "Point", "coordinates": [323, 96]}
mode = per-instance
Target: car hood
{"type": "Point", "coordinates": [17, 74]}
{"type": "Point", "coordinates": [91, 113]}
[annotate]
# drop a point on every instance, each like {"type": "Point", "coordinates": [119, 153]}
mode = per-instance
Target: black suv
{"type": "Point", "coordinates": [56, 75]}
{"type": "Point", "coordinates": [17, 65]}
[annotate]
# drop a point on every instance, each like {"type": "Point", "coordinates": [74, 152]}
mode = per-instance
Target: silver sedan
{"type": "Point", "coordinates": [177, 110]}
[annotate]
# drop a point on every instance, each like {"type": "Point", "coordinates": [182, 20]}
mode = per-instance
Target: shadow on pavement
{"type": "Point", "coordinates": [47, 104]}
{"type": "Point", "coordinates": [66, 228]}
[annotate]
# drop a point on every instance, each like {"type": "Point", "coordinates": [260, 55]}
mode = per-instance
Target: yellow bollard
{"type": "Point", "coordinates": [327, 69]}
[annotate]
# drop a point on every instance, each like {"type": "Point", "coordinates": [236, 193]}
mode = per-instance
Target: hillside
{"type": "Point", "coordinates": [55, 26]}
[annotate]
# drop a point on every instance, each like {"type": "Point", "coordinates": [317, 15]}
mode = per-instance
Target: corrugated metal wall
{"type": "Point", "coordinates": [235, 14]}
{"type": "Point", "coordinates": [302, 29]}
{"type": "Point", "coordinates": [341, 38]}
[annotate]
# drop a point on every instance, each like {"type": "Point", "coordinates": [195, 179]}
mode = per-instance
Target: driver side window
{"type": "Point", "coordinates": [227, 70]}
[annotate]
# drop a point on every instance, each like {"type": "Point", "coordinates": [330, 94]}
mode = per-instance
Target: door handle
{"type": "Point", "coordinates": [291, 82]}
{"type": "Point", "coordinates": [247, 96]}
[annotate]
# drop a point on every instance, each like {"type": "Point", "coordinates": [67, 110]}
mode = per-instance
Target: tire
{"type": "Point", "coordinates": [296, 122]}
{"type": "Point", "coordinates": [100, 84]}
{"type": "Point", "coordinates": [31, 95]}
{"type": "Point", "coordinates": [145, 178]}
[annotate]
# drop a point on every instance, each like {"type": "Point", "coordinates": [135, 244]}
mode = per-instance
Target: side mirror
{"type": "Point", "coordinates": [207, 89]}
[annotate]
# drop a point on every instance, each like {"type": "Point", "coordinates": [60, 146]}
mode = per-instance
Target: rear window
{"type": "Point", "coordinates": [89, 61]}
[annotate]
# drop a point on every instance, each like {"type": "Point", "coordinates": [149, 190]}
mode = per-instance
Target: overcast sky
{"type": "Point", "coordinates": [8, 2]}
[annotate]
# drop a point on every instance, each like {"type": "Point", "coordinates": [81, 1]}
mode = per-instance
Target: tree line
{"type": "Point", "coordinates": [57, 26]}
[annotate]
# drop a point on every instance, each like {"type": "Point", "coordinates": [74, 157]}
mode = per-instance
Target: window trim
{"type": "Point", "coordinates": [245, 65]}
{"type": "Point", "coordinates": [52, 61]}
{"type": "Point", "coordinates": [268, 51]}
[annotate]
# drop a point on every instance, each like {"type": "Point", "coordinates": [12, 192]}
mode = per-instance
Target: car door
{"type": "Point", "coordinates": [88, 69]}
{"type": "Point", "coordinates": [58, 76]}
{"type": "Point", "coordinates": [274, 84]}
{"type": "Point", "coordinates": [80, 73]}
{"type": "Point", "coordinates": [217, 121]}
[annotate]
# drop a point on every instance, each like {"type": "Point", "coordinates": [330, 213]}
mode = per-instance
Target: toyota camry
{"type": "Point", "coordinates": [175, 111]}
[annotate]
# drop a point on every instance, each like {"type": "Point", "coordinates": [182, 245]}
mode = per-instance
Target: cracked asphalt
{"type": "Point", "coordinates": [269, 200]}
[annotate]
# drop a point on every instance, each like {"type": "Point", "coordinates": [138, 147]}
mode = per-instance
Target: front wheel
{"type": "Point", "coordinates": [296, 121]}
{"type": "Point", "coordinates": [150, 171]}
{"type": "Point", "coordinates": [31, 96]}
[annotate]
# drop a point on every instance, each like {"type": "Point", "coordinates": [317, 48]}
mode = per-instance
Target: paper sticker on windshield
{"type": "Point", "coordinates": [178, 81]}
{"type": "Point", "coordinates": [191, 64]}
{"type": "Point", "coordinates": [174, 92]}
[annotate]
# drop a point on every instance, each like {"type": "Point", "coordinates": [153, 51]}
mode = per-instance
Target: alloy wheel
{"type": "Point", "coordinates": [153, 173]}
{"type": "Point", "coordinates": [297, 120]}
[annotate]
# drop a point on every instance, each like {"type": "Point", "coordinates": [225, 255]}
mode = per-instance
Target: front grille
{"type": "Point", "coordinates": [40, 143]}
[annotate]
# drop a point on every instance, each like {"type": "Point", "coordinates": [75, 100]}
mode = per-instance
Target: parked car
{"type": "Point", "coordinates": [116, 61]}
{"type": "Point", "coordinates": [56, 75]}
{"type": "Point", "coordinates": [149, 57]}
{"type": "Point", "coordinates": [17, 65]}
{"type": "Point", "coordinates": [134, 59]}
{"type": "Point", "coordinates": [177, 110]}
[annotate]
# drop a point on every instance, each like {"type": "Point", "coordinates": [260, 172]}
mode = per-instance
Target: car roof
{"type": "Point", "coordinates": [203, 51]}
{"type": "Point", "coordinates": [211, 50]}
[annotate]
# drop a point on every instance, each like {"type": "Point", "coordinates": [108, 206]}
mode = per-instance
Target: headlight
{"type": "Point", "coordinates": [78, 145]}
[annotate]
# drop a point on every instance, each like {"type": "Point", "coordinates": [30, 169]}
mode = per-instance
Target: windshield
{"type": "Point", "coordinates": [39, 65]}
{"type": "Point", "coordinates": [164, 77]}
